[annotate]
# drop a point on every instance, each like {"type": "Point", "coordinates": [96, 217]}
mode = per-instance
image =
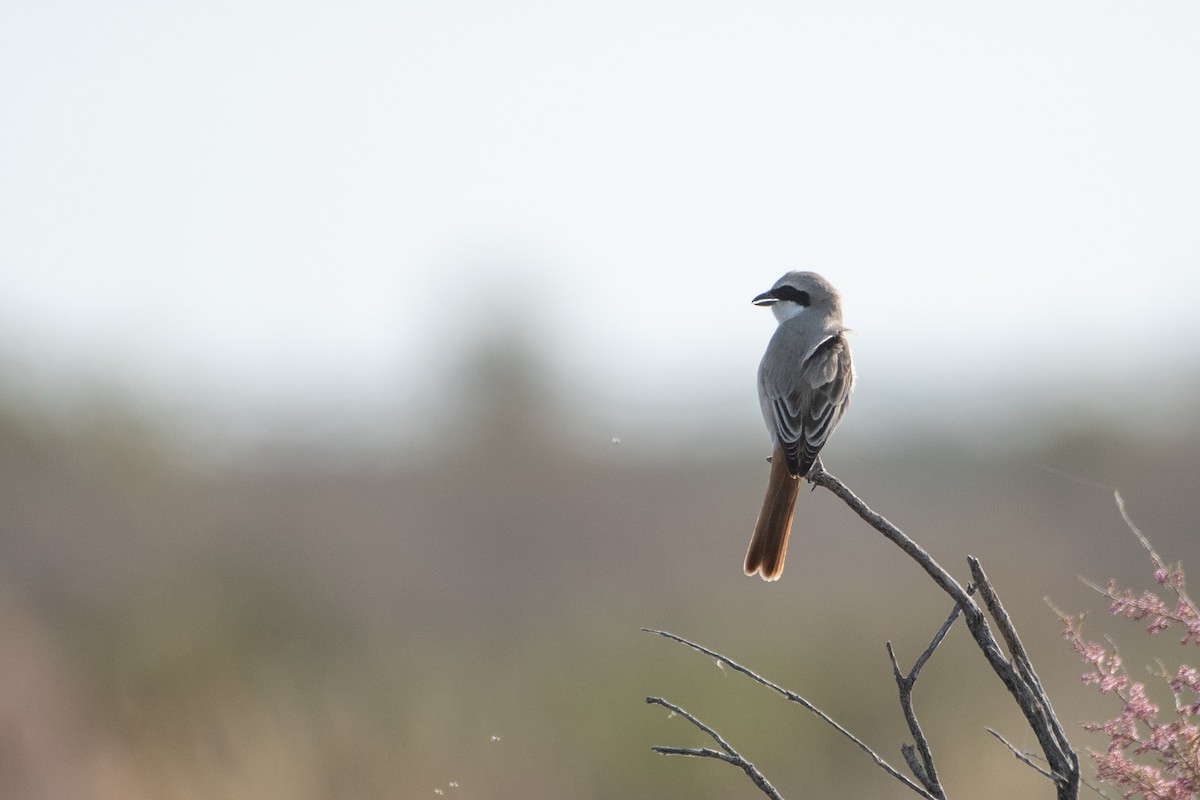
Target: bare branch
{"type": "Point", "coordinates": [1141, 537]}
{"type": "Point", "coordinates": [924, 770]}
{"type": "Point", "coordinates": [795, 698]}
{"type": "Point", "coordinates": [730, 756]}
{"type": "Point", "coordinates": [1020, 679]}
{"type": "Point", "coordinates": [1071, 476]}
{"type": "Point", "coordinates": [937, 639]}
{"type": "Point", "coordinates": [910, 757]}
{"type": "Point", "coordinates": [1094, 788]}
{"type": "Point", "coordinates": [1155, 558]}
{"type": "Point", "coordinates": [1050, 727]}
{"type": "Point", "coordinates": [941, 577]}
{"type": "Point", "coordinates": [1028, 758]}
{"type": "Point", "coordinates": [699, 752]}
{"type": "Point", "coordinates": [1015, 670]}
{"type": "Point", "coordinates": [1023, 757]}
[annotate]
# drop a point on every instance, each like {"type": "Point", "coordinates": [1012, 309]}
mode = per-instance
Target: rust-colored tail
{"type": "Point", "coordinates": [769, 544]}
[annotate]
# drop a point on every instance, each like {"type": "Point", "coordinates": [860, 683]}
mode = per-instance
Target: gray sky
{"type": "Point", "coordinates": [264, 204]}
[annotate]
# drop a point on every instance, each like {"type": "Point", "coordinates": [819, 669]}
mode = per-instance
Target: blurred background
{"type": "Point", "coordinates": [371, 373]}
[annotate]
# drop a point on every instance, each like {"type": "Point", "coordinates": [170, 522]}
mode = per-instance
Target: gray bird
{"type": "Point", "coordinates": [804, 384]}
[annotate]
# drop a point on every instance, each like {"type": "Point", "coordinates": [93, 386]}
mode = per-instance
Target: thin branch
{"type": "Point", "coordinates": [914, 764]}
{"type": "Point", "coordinates": [795, 698]}
{"type": "Point", "coordinates": [1141, 537]}
{"type": "Point", "coordinates": [941, 577]}
{"type": "Point", "coordinates": [1028, 757]}
{"type": "Point", "coordinates": [1154, 556]}
{"type": "Point", "coordinates": [730, 756]}
{"type": "Point", "coordinates": [1023, 757]}
{"type": "Point", "coordinates": [1071, 476]}
{"type": "Point", "coordinates": [925, 770]}
{"type": "Point", "coordinates": [1094, 788]}
{"type": "Point", "coordinates": [937, 639]}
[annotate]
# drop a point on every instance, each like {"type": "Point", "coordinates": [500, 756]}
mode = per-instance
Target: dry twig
{"type": "Point", "coordinates": [795, 698]}
{"type": "Point", "coordinates": [1015, 670]}
{"type": "Point", "coordinates": [924, 769]}
{"type": "Point", "coordinates": [726, 753]}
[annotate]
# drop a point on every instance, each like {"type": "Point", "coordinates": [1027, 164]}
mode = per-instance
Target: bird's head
{"type": "Point", "coordinates": [796, 292]}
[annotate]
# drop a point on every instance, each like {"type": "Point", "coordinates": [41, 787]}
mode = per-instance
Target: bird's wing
{"type": "Point", "coordinates": [810, 405]}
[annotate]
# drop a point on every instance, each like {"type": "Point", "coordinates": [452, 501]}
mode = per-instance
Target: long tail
{"type": "Point", "coordinates": [769, 544]}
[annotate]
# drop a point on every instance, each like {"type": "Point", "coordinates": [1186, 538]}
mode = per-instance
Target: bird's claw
{"type": "Point", "coordinates": [814, 472]}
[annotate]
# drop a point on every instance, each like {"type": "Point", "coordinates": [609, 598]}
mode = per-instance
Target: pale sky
{"type": "Point", "coordinates": [264, 205]}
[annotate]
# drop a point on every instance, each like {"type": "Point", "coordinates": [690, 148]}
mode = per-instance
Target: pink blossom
{"type": "Point", "coordinates": [1146, 757]}
{"type": "Point", "coordinates": [1187, 679]}
{"type": "Point", "coordinates": [1138, 706]}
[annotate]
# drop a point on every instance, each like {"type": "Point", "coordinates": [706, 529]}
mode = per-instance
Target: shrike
{"type": "Point", "coordinates": [804, 384]}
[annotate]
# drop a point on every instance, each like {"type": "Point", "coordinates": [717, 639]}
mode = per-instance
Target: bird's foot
{"type": "Point", "coordinates": [815, 472]}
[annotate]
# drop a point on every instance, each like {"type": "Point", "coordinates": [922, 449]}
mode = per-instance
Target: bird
{"type": "Point", "coordinates": [804, 384]}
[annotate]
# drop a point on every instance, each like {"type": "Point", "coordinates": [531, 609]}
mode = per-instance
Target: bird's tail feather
{"type": "Point", "coordinates": [768, 547]}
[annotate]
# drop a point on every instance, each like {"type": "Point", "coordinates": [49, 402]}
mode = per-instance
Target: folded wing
{"type": "Point", "coordinates": [812, 403]}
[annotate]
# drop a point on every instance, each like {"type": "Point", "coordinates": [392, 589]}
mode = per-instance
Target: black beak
{"type": "Point", "coordinates": [766, 299]}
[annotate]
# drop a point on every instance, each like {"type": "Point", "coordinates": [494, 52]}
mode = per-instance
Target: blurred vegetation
{"type": "Point", "coordinates": [466, 620]}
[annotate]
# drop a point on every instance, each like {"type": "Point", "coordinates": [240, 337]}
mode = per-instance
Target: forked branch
{"type": "Point", "coordinates": [726, 753]}
{"type": "Point", "coordinates": [795, 698]}
{"type": "Point", "coordinates": [1014, 669]}
{"type": "Point", "coordinates": [924, 769]}
{"type": "Point", "coordinates": [1016, 673]}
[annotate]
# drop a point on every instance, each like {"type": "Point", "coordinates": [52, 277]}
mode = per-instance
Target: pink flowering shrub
{"type": "Point", "coordinates": [1147, 756]}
